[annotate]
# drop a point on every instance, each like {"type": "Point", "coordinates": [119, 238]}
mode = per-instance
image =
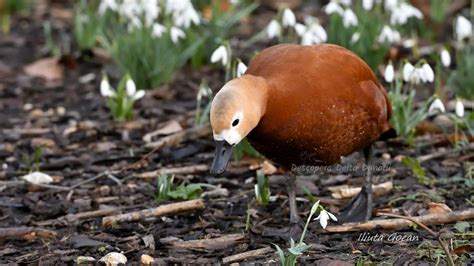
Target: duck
{"type": "Point", "coordinates": [304, 105]}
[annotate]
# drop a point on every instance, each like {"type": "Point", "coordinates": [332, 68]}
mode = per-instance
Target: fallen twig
{"type": "Point", "coordinates": [437, 235]}
{"type": "Point", "coordinates": [154, 212]}
{"type": "Point", "coordinates": [246, 255]}
{"type": "Point", "coordinates": [440, 154]}
{"type": "Point", "coordinates": [26, 233]}
{"type": "Point", "coordinates": [219, 243]}
{"type": "Point", "coordinates": [192, 169]}
{"type": "Point", "coordinates": [72, 218]}
{"type": "Point", "coordinates": [396, 224]}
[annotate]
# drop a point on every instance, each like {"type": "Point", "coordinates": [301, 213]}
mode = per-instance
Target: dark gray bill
{"type": "Point", "coordinates": [221, 157]}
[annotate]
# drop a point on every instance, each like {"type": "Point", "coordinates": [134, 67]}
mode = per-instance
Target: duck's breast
{"type": "Point", "coordinates": [324, 102]}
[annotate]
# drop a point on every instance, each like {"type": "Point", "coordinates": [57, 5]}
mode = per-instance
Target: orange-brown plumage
{"type": "Point", "coordinates": [323, 102]}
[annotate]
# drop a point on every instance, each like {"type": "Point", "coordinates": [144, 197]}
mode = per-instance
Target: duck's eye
{"type": "Point", "coordinates": [235, 122]}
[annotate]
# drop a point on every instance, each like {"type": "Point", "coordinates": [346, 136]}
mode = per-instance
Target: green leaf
{"type": "Point", "coordinates": [280, 254]}
{"type": "Point", "coordinates": [462, 227]}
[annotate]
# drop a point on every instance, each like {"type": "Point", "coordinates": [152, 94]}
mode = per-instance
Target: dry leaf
{"type": "Point", "coordinates": [268, 168]}
{"type": "Point", "coordinates": [438, 208]}
{"type": "Point", "coordinates": [46, 68]}
{"type": "Point", "coordinates": [344, 191]}
{"type": "Point", "coordinates": [171, 127]}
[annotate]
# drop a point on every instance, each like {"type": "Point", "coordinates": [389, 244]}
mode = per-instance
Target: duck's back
{"type": "Point", "coordinates": [324, 102]}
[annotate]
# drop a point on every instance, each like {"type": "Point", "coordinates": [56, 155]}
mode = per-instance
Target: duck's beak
{"type": "Point", "coordinates": [221, 157]}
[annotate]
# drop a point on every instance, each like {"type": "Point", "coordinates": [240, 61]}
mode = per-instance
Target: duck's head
{"type": "Point", "coordinates": [235, 111]}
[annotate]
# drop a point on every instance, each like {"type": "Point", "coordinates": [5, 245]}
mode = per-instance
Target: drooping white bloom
{"type": "Point", "coordinates": [176, 34]}
{"type": "Point", "coordinates": [436, 105]}
{"type": "Point", "coordinates": [138, 95]}
{"type": "Point", "coordinates": [428, 72]}
{"type": "Point", "coordinates": [150, 10]}
{"type": "Point", "coordinates": [288, 18]}
{"type": "Point", "coordinates": [323, 218]}
{"type": "Point", "coordinates": [333, 7]}
{"type": "Point", "coordinates": [355, 37]}
{"type": "Point", "coordinates": [107, 4]}
{"type": "Point", "coordinates": [349, 18]}
{"type": "Point", "coordinates": [445, 58]}
{"type": "Point", "coordinates": [388, 35]}
{"type": "Point", "coordinates": [130, 87]}
{"type": "Point", "coordinates": [157, 30]}
{"type": "Point", "coordinates": [463, 28]}
{"type": "Point", "coordinates": [389, 73]}
{"type": "Point", "coordinates": [390, 4]}
{"type": "Point", "coordinates": [105, 88]}
{"type": "Point", "coordinates": [408, 70]}
{"type": "Point", "coordinates": [401, 13]}
{"type": "Point", "coordinates": [37, 178]}
{"type": "Point", "coordinates": [241, 68]}
{"type": "Point", "coordinates": [459, 109]}
{"type": "Point", "coordinates": [300, 29]}
{"type": "Point", "coordinates": [273, 29]}
{"type": "Point", "coordinates": [220, 54]}
{"type": "Point", "coordinates": [367, 4]}
{"type": "Point", "coordinates": [409, 43]}
{"type": "Point", "coordinates": [315, 33]}
{"type": "Point", "coordinates": [183, 13]}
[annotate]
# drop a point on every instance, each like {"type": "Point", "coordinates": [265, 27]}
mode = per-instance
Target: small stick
{"type": "Point", "coordinates": [218, 243]}
{"type": "Point", "coordinates": [246, 255]}
{"type": "Point", "coordinates": [26, 233]}
{"type": "Point", "coordinates": [173, 171]}
{"type": "Point", "coordinates": [437, 235]}
{"type": "Point", "coordinates": [440, 154]}
{"type": "Point", "coordinates": [162, 210]}
{"type": "Point", "coordinates": [72, 218]}
{"type": "Point", "coordinates": [396, 224]}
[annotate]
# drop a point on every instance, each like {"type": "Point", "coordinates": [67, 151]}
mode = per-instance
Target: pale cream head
{"type": "Point", "coordinates": [237, 108]}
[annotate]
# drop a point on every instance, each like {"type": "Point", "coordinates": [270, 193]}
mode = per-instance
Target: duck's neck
{"type": "Point", "coordinates": [254, 93]}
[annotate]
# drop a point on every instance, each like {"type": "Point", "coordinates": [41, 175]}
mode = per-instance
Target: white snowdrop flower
{"type": "Point", "coordinates": [234, 2]}
{"type": "Point", "coordinates": [130, 87]}
{"type": "Point", "coordinates": [183, 13]}
{"type": "Point", "coordinates": [150, 11]}
{"type": "Point", "coordinates": [459, 109]}
{"type": "Point", "coordinates": [445, 58]}
{"type": "Point", "coordinates": [273, 29]}
{"type": "Point", "coordinates": [463, 28]}
{"type": "Point", "coordinates": [135, 23]}
{"type": "Point", "coordinates": [389, 73]}
{"type": "Point", "coordinates": [105, 88]}
{"type": "Point", "coordinates": [355, 37]}
{"type": "Point", "coordinates": [408, 70]}
{"type": "Point", "coordinates": [390, 4]}
{"type": "Point", "coordinates": [315, 34]}
{"type": "Point", "coordinates": [428, 72]}
{"type": "Point", "coordinates": [176, 34]}
{"type": "Point", "coordinates": [38, 178]}
{"type": "Point", "coordinates": [436, 106]}
{"type": "Point", "coordinates": [349, 18]}
{"type": "Point", "coordinates": [157, 30]}
{"type": "Point", "coordinates": [367, 4]}
{"type": "Point", "coordinates": [333, 7]}
{"type": "Point", "coordinates": [288, 18]}
{"type": "Point", "coordinates": [300, 29]}
{"type": "Point", "coordinates": [107, 4]}
{"type": "Point", "coordinates": [241, 68]}
{"type": "Point", "coordinates": [409, 43]}
{"type": "Point", "coordinates": [220, 54]}
{"type": "Point", "coordinates": [388, 35]}
{"type": "Point", "coordinates": [323, 218]}
{"type": "Point", "coordinates": [401, 14]}
{"type": "Point", "coordinates": [138, 95]}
